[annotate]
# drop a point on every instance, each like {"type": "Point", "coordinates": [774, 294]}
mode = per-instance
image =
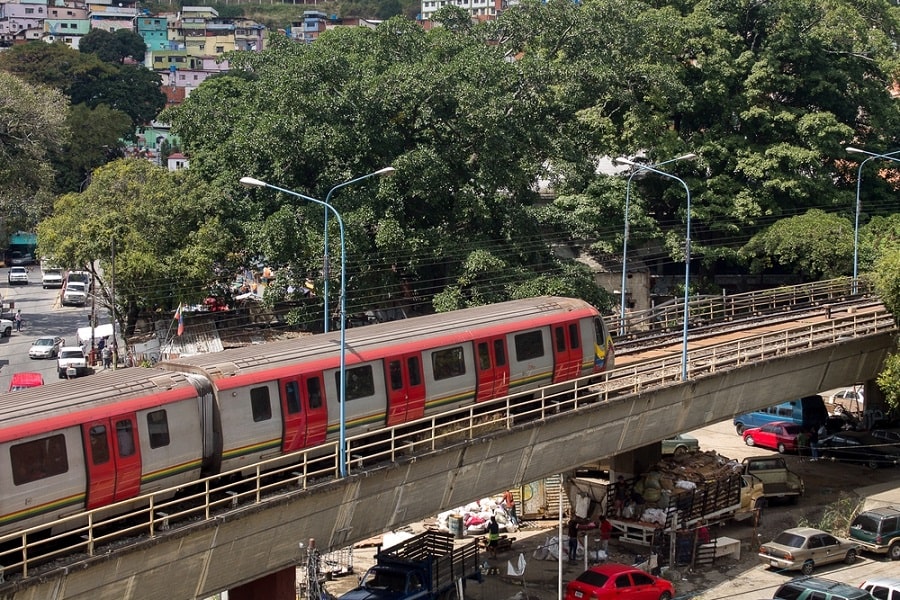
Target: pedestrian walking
{"type": "Point", "coordinates": [573, 539]}
{"type": "Point", "coordinates": [493, 536]}
{"type": "Point", "coordinates": [510, 504]}
{"type": "Point", "coordinates": [605, 534]}
{"type": "Point", "coordinates": [19, 320]}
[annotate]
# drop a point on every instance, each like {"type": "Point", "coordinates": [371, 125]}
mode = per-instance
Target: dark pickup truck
{"type": "Point", "coordinates": [424, 567]}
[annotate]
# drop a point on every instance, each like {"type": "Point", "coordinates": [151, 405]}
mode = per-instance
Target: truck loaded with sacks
{"type": "Point", "coordinates": [680, 492]}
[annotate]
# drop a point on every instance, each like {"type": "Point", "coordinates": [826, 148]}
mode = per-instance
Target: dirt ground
{"type": "Point", "coordinates": [831, 497]}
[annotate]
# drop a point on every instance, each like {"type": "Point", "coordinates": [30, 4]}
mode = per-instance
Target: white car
{"type": "Point", "coordinates": [46, 347]}
{"type": "Point", "coordinates": [71, 362]}
{"type": "Point", "coordinates": [6, 327]}
{"type": "Point", "coordinates": [75, 294]}
{"type": "Point", "coordinates": [17, 275]}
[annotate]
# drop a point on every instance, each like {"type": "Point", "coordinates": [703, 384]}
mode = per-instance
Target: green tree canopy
{"type": "Point", "coordinates": [815, 245]}
{"type": "Point", "coordinates": [169, 235]}
{"type": "Point", "coordinates": [114, 46]}
{"type": "Point", "coordinates": [32, 128]}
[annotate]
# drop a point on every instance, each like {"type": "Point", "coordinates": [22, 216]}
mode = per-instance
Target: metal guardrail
{"type": "Point", "coordinates": [669, 316]}
{"type": "Point", "coordinates": [100, 530]}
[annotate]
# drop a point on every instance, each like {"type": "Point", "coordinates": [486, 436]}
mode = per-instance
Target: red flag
{"type": "Point", "coordinates": [180, 318]}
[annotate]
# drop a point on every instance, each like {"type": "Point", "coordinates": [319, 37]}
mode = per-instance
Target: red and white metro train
{"type": "Point", "coordinates": [77, 445]}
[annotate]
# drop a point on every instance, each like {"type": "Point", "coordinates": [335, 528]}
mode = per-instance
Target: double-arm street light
{"type": "Point", "coordinates": [687, 255]}
{"type": "Point", "coordinates": [871, 155]}
{"type": "Point", "coordinates": [628, 223]}
{"type": "Point", "coordinates": [342, 373]}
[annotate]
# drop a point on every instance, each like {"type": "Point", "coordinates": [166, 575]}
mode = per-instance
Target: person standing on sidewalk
{"type": "Point", "coordinates": [18, 319]}
{"type": "Point", "coordinates": [510, 505]}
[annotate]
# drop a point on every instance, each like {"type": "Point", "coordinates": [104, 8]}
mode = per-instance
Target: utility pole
{"type": "Point", "coordinates": [112, 293]}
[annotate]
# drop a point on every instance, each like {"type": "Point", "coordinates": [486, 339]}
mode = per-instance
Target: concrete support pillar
{"type": "Point", "coordinates": [275, 586]}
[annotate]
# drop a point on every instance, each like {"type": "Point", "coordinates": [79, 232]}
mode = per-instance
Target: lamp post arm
{"type": "Point", "coordinates": [626, 234]}
{"type": "Point", "coordinates": [870, 156]}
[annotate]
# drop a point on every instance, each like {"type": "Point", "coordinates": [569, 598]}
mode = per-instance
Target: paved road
{"type": "Point", "coordinates": [42, 316]}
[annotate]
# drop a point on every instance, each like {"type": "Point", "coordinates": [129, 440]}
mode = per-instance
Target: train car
{"type": "Point", "coordinates": [82, 444]}
{"type": "Point", "coordinates": [284, 396]}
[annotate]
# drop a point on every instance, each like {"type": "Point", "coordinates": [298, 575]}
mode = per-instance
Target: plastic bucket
{"type": "Point", "coordinates": [455, 523]}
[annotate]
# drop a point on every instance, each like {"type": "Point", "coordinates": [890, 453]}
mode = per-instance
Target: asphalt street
{"type": "Point", "coordinates": [43, 315]}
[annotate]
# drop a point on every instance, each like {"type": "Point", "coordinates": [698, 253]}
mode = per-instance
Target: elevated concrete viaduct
{"type": "Point", "coordinates": [253, 551]}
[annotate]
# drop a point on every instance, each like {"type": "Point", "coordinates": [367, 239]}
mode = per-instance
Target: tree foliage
{"type": "Point", "coordinates": [114, 46]}
{"type": "Point", "coordinates": [32, 127]}
{"type": "Point", "coordinates": [169, 235]}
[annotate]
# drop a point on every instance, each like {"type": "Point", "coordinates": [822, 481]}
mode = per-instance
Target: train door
{"type": "Point", "coordinates": [305, 413]}
{"type": "Point", "coordinates": [493, 368]}
{"type": "Point", "coordinates": [566, 351]}
{"type": "Point", "coordinates": [113, 460]}
{"type": "Point", "coordinates": [405, 388]}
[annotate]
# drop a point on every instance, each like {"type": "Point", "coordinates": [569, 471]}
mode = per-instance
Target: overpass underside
{"type": "Point", "coordinates": [247, 544]}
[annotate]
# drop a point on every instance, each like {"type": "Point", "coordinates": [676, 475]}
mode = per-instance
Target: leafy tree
{"type": "Point", "coordinates": [95, 140]}
{"type": "Point", "coordinates": [815, 245]}
{"type": "Point", "coordinates": [32, 126]}
{"type": "Point", "coordinates": [170, 238]}
{"type": "Point", "coordinates": [114, 47]}
{"type": "Point", "coordinates": [86, 79]}
{"type": "Point", "coordinates": [467, 136]}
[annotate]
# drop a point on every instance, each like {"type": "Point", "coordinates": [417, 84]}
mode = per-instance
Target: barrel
{"type": "Point", "coordinates": [455, 523]}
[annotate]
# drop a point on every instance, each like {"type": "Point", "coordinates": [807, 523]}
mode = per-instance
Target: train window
{"type": "Point", "coordinates": [529, 345]}
{"type": "Point", "coordinates": [158, 428]}
{"type": "Point", "coordinates": [499, 353]}
{"type": "Point", "coordinates": [560, 339]}
{"type": "Point", "coordinates": [39, 459]}
{"type": "Point", "coordinates": [314, 392]}
{"type": "Point", "coordinates": [260, 404]}
{"type": "Point", "coordinates": [360, 382]}
{"type": "Point", "coordinates": [99, 445]}
{"type": "Point", "coordinates": [600, 331]}
{"type": "Point", "coordinates": [448, 363]}
{"type": "Point", "coordinates": [574, 338]}
{"type": "Point", "coordinates": [415, 373]}
{"type": "Point", "coordinates": [484, 357]}
{"type": "Point", "coordinates": [125, 438]}
{"type": "Point", "coordinates": [292, 397]}
{"type": "Point", "coordinates": [395, 375]}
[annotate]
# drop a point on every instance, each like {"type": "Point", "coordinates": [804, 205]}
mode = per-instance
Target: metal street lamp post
{"type": "Point", "coordinates": [871, 155]}
{"type": "Point", "coordinates": [687, 257]}
{"type": "Point", "coordinates": [628, 225]}
{"type": "Point", "coordinates": [326, 268]}
{"type": "Point", "coordinates": [250, 181]}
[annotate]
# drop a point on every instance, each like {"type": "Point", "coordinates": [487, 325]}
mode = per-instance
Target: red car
{"type": "Point", "coordinates": [778, 435]}
{"type": "Point", "coordinates": [611, 580]}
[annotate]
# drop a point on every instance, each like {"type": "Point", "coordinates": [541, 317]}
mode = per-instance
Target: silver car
{"type": "Point", "coordinates": [805, 548]}
{"type": "Point", "coordinates": [46, 347]}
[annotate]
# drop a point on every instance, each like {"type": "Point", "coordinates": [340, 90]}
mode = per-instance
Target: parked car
{"type": "Point", "coordinates": [818, 588]}
{"type": "Point", "coordinates": [891, 436]}
{"type": "Point", "coordinates": [6, 327]}
{"type": "Point", "coordinates": [847, 399]}
{"type": "Point", "coordinates": [20, 258]}
{"type": "Point", "coordinates": [680, 444]}
{"type": "Point", "coordinates": [860, 447]}
{"type": "Point", "coordinates": [46, 347]}
{"type": "Point", "coordinates": [21, 381]}
{"type": "Point", "coordinates": [805, 548]}
{"type": "Point", "coordinates": [75, 294]}
{"type": "Point", "coordinates": [612, 580]}
{"type": "Point", "coordinates": [878, 530]}
{"type": "Point", "coordinates": [17, 275]}
{"type": "Point", "coordinates": [71, 362]}
{"type": "Point", "coordinates": [882, 588]}
{"type": "Point", "coordinates": [780, 435]}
